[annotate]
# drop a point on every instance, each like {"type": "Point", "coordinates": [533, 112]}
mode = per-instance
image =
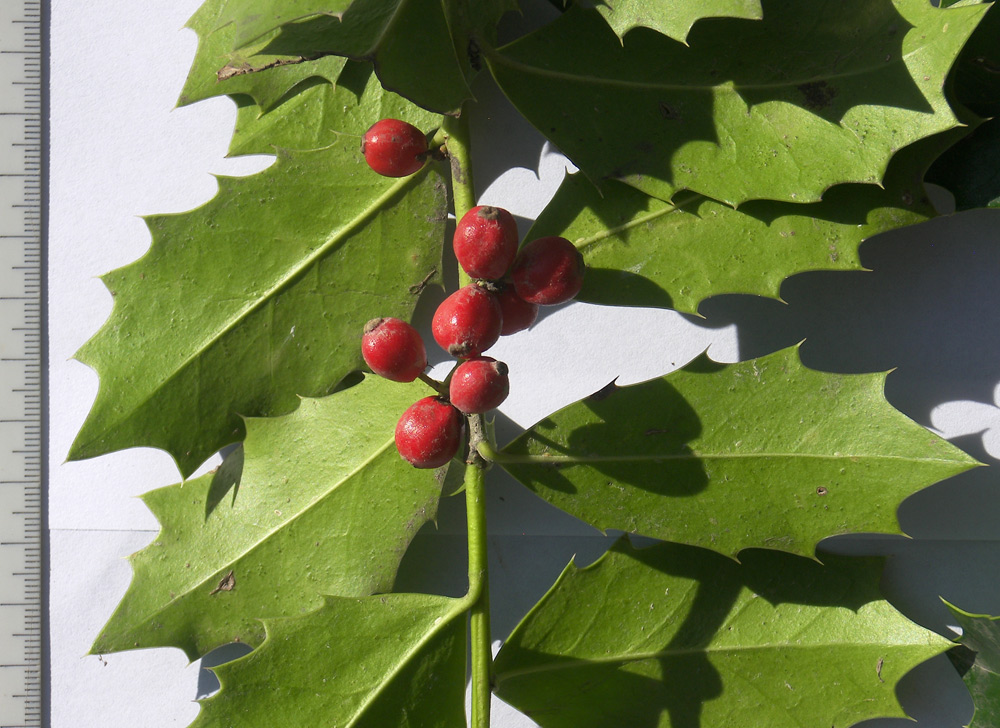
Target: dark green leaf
{"type": "Point", "coordinates": [981, 635]}
{"type": "Point", "coordinates": [393, 661]}
{"type": "Point", "coordinates": [764, 453]}
{"type": "Point", "coordinates": [256, 297]}
{"type": "Point", "coordinates": [771, 109]}
{"type": "Point", "coordinates": [642, 251]}
{"type": "Point", "coordinates": [323, 505]}
{"type": "Point", "coordinates": [219, 70]}
{"type": "Point", "coordinates": [976, 77]}
{"type": "Point", "coordinates": [673, 18]}
{"type": "Point", "coordinates": [970, 170]}
{"type": "Point", "coordinates": [425, 50]}
{"type": "Point", "coordinates": [676, 636]}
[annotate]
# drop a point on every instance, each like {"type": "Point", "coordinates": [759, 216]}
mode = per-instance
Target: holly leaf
{"type": "Point", "coordinates": [970, 170]}
{"type": "Point", "coordinates": [316, 502]}
{"type": "Point", "coordinates": [981, 667]}
{"type": "Point", "coordinates": [672, 18]}
{"type": "Point", "coordinates": [443, 36]}
{"type": "Point", "coordinates": [319, 113]}
{"type": "Point", "coordinates": [642, 251]}
{"type": "Point", "coordinates": [763, 453]}
{"type": "Point", "coordinates": [763, 109]}
{"type": "Point", "coordinates": [975, 81]}
{"type": "Point", "coordinates": [392, 661]}
{"type": "Point", "coordinates": [257, 297]}
{"type": "Point", "coordinates": [673, 635]}
{"type": "Point", "coordinates": [218, 69]}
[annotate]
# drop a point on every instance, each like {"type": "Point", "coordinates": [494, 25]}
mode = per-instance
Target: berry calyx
{"type": "Point", "coordinates": [548, 271]}
{"type": "Point", "coordinates": [479, 385]}
{"type": "Point", "coordinates": [468, 322]}
{"type": "Point", "coordinates": [517, 313]}
{"type": "Point", "coordinates": [429, 433]}
{"type": "Point", "coordinates": [485, 242]}
{"type": "Point", "coordinates": [394, 148]}
{"type": "Point", "coordinates": [393, 349]}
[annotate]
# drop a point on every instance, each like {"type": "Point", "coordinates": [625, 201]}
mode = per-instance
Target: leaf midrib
{"type": "Point", "coordinates": [575, 663]}
{"type": "Point", "coordinates": [288, 278]}
{"type": "Point", "coordinates": [527, 68]}
{"type": "Point", "coordinates": [543, 460]}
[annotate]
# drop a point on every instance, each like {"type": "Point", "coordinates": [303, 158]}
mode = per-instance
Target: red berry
{"type": "Point", "coordinates": [394, 148]}
{"type": "Point", "coordinates": [486, 242]}
{"type": "Point", "coordinates": [479, 385]}
{"type": "Point", "coordinates": [393, 349]}
{"type": "Point", "coordinates": [429, 433]}
{"type": "Point", "coordinates": [517, 314]}
{"type": "Point", "coordinates": [548, 271]}
{"type": "Point", "coordinates": [468, 322]}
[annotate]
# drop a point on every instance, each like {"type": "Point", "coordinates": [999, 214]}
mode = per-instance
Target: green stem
{"type": "Point", "coordinates": [479, 613]}
{"type": "Point", "coordinates": [456, 130]}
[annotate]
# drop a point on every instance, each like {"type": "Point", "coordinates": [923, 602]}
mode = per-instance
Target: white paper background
{"type": "Point", "coordinates": [120, 150]}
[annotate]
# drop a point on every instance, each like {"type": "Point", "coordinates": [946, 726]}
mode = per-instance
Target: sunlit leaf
{"type": "Point", "coordinates": [764, 453]}
{"type": "Point", "coordinates": [321, 503]}
{"type": "Point", "coordinates": [256, 297]}
{"type": "Point", "coordinates": [218, 69]}
{"type": "Point", "coordinates": [642, 251]}
{"type": "Point", "coordinates": [772, 108]}
{"type": "Point", "coordinates": [675, 636]}
{"type": "Point", "coordinates": [392, 661]}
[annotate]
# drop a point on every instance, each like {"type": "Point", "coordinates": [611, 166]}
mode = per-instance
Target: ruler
{"type": "Point", "coordinates": [23, 556]}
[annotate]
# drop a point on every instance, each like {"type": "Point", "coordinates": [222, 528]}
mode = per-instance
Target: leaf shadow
{"type": "Point", "coordinates": [680, 679]}
{"type": "Point", "coordinates": [226, 478]}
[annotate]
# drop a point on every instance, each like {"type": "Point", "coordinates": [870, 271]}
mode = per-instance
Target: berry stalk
{"type": "Point", "coordinates": [464, 197]}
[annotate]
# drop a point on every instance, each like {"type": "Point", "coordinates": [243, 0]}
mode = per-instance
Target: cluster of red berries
{"type": "Point", "coordinates": [508, 287]}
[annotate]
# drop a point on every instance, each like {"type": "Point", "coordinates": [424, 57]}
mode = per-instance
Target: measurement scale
{"type": "Point", "coordinates": [23, 557]}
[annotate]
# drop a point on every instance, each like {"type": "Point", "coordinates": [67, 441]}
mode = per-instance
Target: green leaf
{"type": "Point", "coordinates": [319, 113]}
{"type": "Point", "coordinates": [981, 635]}
{"type": "Point", "coordinates": [323, 505]}
{"type": "Point", "coordinates": [425, 50]}
{"type": "Point", "coordinates": [970, 170]}
{"type": "Point", "coordinates": [218, 69]}
{"type": "Point", "coordinates": [673, 18]}
{"type": "Point", "coordinates": [677, 636]}
{"type": "Point", "coordinates": [770, 109]}
{"type": "Point", "coordinates": [393, 661]}
{"type": "Point", "coordinates": [976, 77]}
{"type": "Point", "coordinates": [642, 251]}
{"type": "Point", "coordinates": [256, 297]}
{"type": "Point", "coordinates": [764, 453]}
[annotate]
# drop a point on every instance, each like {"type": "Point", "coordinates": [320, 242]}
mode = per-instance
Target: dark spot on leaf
{"type": "Point", "coordinates": [821, 490]}
{"type": "Point", "coordinates": [669, 112]}
{"type": "Point", "coordinates": [227, 583]}
{"type": "Point", "coordinates": [817, 94]}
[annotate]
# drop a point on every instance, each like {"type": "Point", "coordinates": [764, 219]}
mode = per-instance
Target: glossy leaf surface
{"type": "Point", "coordinates": [256, 297]}
{"type": "Point", "coordinates": [642, 251]}
{"type": "Point", "coordinates": [321, 503]}
{"type": "Point", "coordinates": [981, 635]}
{"type": "Point", "coordinates": [751, 109]}
{"type": "Point", "coordinates": [764, 453]}
{"type": "Point", "coordinates": [673, 18]}
{"type": "Point", "coordinates": [392, 661]}
{"type": "Point", "coordinates": [677, 636]}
